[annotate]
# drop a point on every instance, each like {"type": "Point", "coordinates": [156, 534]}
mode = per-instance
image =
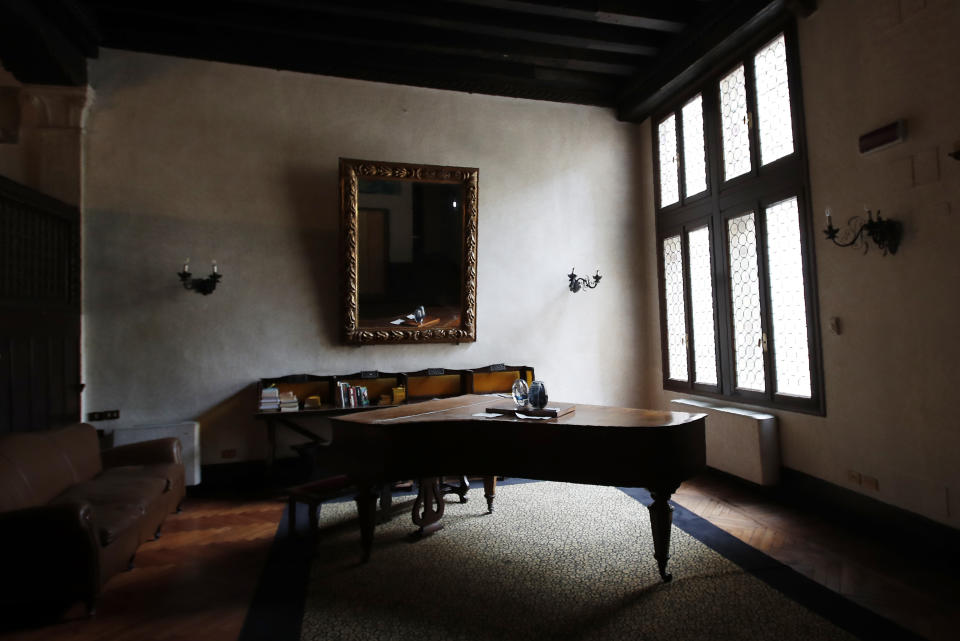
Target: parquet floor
{"type": "Point", "coordinates": [898, 582]}
{"type": "Point", "coordinates": [196, 581]}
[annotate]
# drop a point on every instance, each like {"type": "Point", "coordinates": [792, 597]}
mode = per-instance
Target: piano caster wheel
{"type": "Point", "coordinates": [463, 498]}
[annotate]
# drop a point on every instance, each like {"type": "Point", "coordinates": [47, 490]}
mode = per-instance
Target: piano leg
{"type": "Point", "coordinates": [367, 512]}
{"type": "Point", "coordinates": [489, 491]}
{"type": "Point", "coordinates": [661, 519]}
{"type": "Point", "coordinates": [428, 506]}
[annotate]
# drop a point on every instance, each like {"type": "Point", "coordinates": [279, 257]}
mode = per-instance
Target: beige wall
{"type": "Point", "coordinates": [890, 374]}
{"type": "Point", "coordinates": [190, 158]}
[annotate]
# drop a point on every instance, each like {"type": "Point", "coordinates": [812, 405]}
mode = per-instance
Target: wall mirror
{"type": "Point", "coordinates": [410, 252]}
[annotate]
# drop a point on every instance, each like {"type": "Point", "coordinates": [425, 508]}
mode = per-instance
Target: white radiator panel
{"type": "Point", "coordinates": [188, 432]}
{"type": "Point", "coordinates": [740, 442]}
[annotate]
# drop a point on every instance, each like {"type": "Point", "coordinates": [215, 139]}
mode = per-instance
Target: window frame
{"type": "Point", "coordinates": [762, 186]}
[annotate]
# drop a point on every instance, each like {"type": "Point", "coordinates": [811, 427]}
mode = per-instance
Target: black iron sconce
{"type": "Point", "coordinates": [884, 232]}
{"type": "Point", "coordinates": [203, 286]}
{"type": "Point", "coordinates": [577, 282]}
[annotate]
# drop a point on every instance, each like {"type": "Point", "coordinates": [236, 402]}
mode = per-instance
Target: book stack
{"type": "Point", "coordinates": [269, 399]}
{"type": "Point", "coordinates": [288, 402]}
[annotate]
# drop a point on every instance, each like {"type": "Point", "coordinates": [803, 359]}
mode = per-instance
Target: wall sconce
{"type": "Point", "coordinates": [577, 282]}
{"type": "Point", "coordinates": [885, 233]}
{"type": "Point", "coordinates": [200, 285]}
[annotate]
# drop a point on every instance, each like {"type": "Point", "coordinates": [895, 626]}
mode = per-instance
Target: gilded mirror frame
{"type": "Point", "coordinates": [351, 172]}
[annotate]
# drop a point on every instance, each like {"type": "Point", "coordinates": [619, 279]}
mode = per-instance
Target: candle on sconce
{"type": "Point", "coordinates": [829, 222]}
{"type": "Point", "coordinates": [214, 265]}
{"type": "Point", "coordinates": [186, 266]}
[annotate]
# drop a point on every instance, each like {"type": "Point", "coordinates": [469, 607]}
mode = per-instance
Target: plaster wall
{"type": "Point", "coordinates": [188, 158]}
{"type": "Point", "coordinates": [890, 373]}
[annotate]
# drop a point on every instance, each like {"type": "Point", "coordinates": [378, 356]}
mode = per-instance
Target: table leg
{"type": "Point", "coordinates": [271, 446]}
{"type": "Point", "coordinates": [367, 513]}
{"type": "Point", "coordinates": [489, 491]}
{"type": "Point", "coordinates": [661, 519]}
{"type": "Point", "coordinates": [428, 506]}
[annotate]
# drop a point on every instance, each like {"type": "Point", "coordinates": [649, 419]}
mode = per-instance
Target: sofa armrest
{"type": "Point", "coordinates": [49, 551]}
{"type": "Point", "coordinates": [161, 450]}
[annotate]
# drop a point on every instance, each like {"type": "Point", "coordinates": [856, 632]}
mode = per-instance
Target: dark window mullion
{"type": "Point", "coordinates": [753, 131]}
{"type": "Point", "coordinates": [657, 191]}
{"type": "Point", "coordinates": [687, 304]}
{"type": "Point", "coordinates": [725, 307]}
{"type": "Point", "coordinates": [713, 140]}
{"type": "Point", "coordinates": [681, 158]}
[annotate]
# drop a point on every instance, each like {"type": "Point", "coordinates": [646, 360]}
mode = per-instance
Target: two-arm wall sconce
{"type": "Point", "coordinates": [885, 232]}
{"type": "Point", "coordinates": [200, 285]}
{"type": "Point", "coordinates": [577, 282]}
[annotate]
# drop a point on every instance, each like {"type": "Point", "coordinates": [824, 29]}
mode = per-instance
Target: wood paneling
{"type": "Point", "coordinates": [39, 310]}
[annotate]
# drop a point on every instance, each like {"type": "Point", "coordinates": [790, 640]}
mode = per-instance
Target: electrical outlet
{"type": "Point", "coordinates": [853, 477]}
{"type": "Point", "coordinates": [106, 415]}
{"type": "Point", "coordinates": [871, 483]}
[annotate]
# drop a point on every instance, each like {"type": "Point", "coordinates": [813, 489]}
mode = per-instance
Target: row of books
{"type": "Point", "coordinates": [273, 399]}
{"type": "Point", "coordinates": [351, 395]}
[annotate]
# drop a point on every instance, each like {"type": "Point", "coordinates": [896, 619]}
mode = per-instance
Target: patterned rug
{"type": "Point", "coordinates": [555, 561]}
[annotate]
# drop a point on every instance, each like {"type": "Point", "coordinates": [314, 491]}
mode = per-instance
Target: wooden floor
{"type": "Point", "coordinates": [196, 581]}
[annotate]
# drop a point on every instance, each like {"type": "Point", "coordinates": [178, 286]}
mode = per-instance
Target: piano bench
{"type": "Point", "coordinates": [314, 494]}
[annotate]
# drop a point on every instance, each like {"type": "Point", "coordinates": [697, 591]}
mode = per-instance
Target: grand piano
{"type": "Point", "coordinates": [594, 444]}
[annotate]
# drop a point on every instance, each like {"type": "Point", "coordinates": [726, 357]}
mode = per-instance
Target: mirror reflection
{"type": "Point", "coordinates": [410, 249]}
{"type": "Point", "coordinates": [410, 237]}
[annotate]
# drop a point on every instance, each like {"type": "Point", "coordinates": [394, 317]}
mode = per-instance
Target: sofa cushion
{"type": "Point", "coordinates": [35, 469]}
{"type": "Point", "coordinates": [172, 473]}
{"type": "Point", "coordinates": [114, 519]}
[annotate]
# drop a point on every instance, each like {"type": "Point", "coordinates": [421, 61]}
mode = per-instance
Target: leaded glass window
{"type": "Point", "coordinates": [669, 165]}
{"type": "Point", "coordinates": [738, 303]}
{"type": "Point", "coordinates": [787, 301]}
{"type": "Point", "coordinates": [745, 302]}
{"type": "Point", "coordinates": [694, 151]}
{"type": "Point", "coordinates": [735, 124]}
{"type": "Point", "coordinates": [676, 314]}
{"type": "Point", "coordinates": [774, 120]}
{"type": "Point", "coordinates": [701, 307]}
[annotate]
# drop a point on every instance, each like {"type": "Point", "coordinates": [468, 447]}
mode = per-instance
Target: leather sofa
{"type": "Point", "coordinates": [72, 516]}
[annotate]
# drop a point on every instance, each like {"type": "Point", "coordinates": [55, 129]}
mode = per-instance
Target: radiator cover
{"type": "Point", "coordinates": [741, 442]}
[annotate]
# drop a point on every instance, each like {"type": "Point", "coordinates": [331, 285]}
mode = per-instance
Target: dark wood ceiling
{"type": "Point", "coordinates": [621, 54]}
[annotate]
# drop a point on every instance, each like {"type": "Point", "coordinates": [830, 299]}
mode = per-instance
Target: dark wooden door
{"type": "Point", "coordinates": [39, 310]}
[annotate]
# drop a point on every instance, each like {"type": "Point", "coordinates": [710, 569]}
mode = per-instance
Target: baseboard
{"type": "Point", "coordinates": [880, 520]}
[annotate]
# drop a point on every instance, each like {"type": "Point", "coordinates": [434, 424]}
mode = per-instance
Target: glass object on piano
{"type": "Point", "coordinates": [520, 392]}
{"type": "Point", "coordinates": [419, 314]}
{"type": "Point", "coordinates": [538, 395]}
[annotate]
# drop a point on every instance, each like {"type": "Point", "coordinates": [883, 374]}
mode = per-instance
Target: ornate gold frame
{"type": "Point", "coordinates": [351, 171]}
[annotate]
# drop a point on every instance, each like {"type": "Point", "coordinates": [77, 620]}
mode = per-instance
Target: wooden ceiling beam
{"type": "Point", "coordinates": [466, 18]}
{"type": "Point", "coordinates": [656, 16]}
{"type": "Point", "coordinates": [412, 38]}
{"type": "Point", "coordinates": [703, 47]}
{"type": "Point", "coordinates": [370, 61]}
